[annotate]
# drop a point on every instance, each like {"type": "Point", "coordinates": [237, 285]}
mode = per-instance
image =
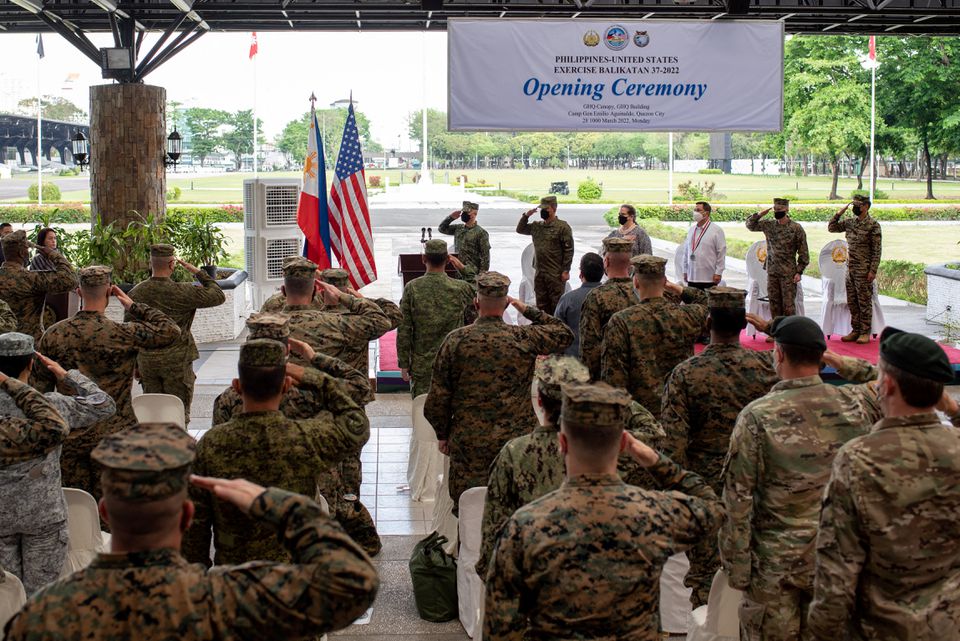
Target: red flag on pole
{"type": "Point", "coordinates": [873, 47]}
{"type": "Point", "coordinates": [253, 45]}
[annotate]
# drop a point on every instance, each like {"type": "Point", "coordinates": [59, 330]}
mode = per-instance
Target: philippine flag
{"type": "Point", "coordinates": [313, 214]}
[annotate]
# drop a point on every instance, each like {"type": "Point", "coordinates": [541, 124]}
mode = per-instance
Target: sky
{"type": "Point", "coordinates": [385, 71]}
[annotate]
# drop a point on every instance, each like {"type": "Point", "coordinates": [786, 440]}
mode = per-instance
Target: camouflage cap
{"type": "Point", "coordinates": [435, 247]}
{"type": "Point", "coordinates": [146, 462]}
{"type": "Point", "coordinates": [469, 206]}
{"type": "Point", "coordinates": [16, 344]}
{"type": "Point", "coordinates": [336, 277]}
{"type": "Point", "coordinates": [726, 298]}
{"type": "Point", "coordinates": [781, 201]}
{"type": "Point", "coordinates": [13, 242]}
{"type": "Point", "coordinates": [548, 201]}
{"type": "Point", "coordinates": [492, 284]}
{"type": "Point", "coordinates": [614, 245]}
{"type": "Point", "coordinates": [556, 370]}
{"type": "Point", "coordinates": [913, 353]}
{"type": "Point", "coordinates": [594, 404]}
{"type": "Point", "coordinates": [162, 250]}
{"type": "Point", "coordinates": [263, 352]}
{"type": "Point", "coordinates": [649, 265]}
{"type": "Point", "coordinates": [268, 325]}
{"type": "Point", "coordinates": [300, 268]}
{"type": "Point", "coordinates": [95, 276]}
{"type": "Point", "coordinates": [797, 330]}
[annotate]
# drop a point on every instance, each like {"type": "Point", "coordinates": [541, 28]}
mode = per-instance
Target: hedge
{"type": "Point", "coordinates": [79, 213]}
{"type": "Point", "coordinates": [684, 213]}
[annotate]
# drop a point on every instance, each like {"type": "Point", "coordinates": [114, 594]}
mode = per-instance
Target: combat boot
{"type": "Point", "coordinates": [864, 339]}
{"type": "Point", "coordinates": [852, 336]}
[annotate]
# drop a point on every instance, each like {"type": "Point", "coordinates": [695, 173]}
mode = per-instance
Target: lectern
{"type": "Point", "coordinates": [411, 266]}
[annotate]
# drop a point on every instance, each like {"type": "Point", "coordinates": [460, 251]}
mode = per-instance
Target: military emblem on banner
{"type": "Point", "coordinates": [641, 38]}
{"type": "Point", "coordinates": [591, 38]}
{"type": "Point", "coordinates": [616, 37]}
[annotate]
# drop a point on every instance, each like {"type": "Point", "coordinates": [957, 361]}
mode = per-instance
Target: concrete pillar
{"type": "Point", "coordinates": [127, 150]}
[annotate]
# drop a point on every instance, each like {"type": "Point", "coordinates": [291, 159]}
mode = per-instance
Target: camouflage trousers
{"type": "Point", "coordinates": [548, 289]}
{"type": "Point", "coordinates": [357, 522]}
{"type": "Point", "coordinates": [420, 382]}
{"type": "Point", "coordinates": [168, 374]}
{"type": "Point", "coordinates": [778, 614]}
{"type": "Point", "coordinates": [860, 302]}
{"type": "Point", "coordinates": [704, 556]}
{"type": "Point", "coordinates": [36, 558]}
{"type": "Point", "coordinates": [782, 292]}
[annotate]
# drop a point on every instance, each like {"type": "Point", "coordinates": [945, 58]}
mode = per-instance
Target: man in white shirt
{"type": "Point", "coordinates": [705, 250]}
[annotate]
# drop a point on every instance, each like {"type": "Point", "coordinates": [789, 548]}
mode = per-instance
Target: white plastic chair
{"type": "Point", "coordinates": [835, 317]}
{"type": "Point", "coordinates": [83, 523]}
{"type": "Point", "coordinates": [757, 286]}
{"type": "Point", "coordinates": [444, 522]}
{"type": "Point", "coordinates": [426, 461]}
{"type": "Point", "coordinates": [719, 619]}
{"type": "Point", "coordinates": [674, 595]}
{"type": "Point", "coordinates": [470, 588]}
{"type": "Point", "coordinates": [159, 408]}
{"type": "Point", "coordinates": [12, 598]}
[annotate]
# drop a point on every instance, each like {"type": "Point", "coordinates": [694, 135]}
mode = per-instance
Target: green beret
{"type": "Point", "coordinates": [146, 462]}
{"type": "Point", "coordinates": [649, 265]}
{"type": "Point", "coordinates": [614, 245]}
{"type": "Point", "coordinates": [336, 277]}
{"type": "Point", "coordinates": [493, 284]}
{"type": "Point", "coordinates": [16, 344]}
{"type": "Point", "coordinates": [299, 267]}
{"type": "Point", "coordinates": [263, 352]}
{"type": "Point", "coordinates": [726, 298]}
{"type": "Point", "coordinates": [95, 276]}
{"type": "Point", "coordinates": [162, 250]}
{"type": "Point", "coordinates": [594, 404]}
{"type": "Point", "coordinates": [14, 242]}
{"type": "Point", "coordinates": [797, 330]}
{"type": "Point", "coordinates": [781, 201]}
{"type": "Point", "coordinates": [435, 247]}
{"type": "Point", "coordinates": [268, 325]}
{"type": "Point", "coordinates": [913, 353]}
{"type": "Point", "coordinates": [469, 206]}
{"type": "Point", "coordinates": [548, 201]}
{"type": "Point", "coordinates": [555, 370]}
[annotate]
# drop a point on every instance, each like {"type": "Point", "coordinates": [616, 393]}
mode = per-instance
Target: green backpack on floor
{"type": "Point", "coordinates": [434, 575]}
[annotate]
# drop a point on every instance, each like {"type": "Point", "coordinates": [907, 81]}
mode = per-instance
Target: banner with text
{"type": "Point", "coordinates": [615, 75]}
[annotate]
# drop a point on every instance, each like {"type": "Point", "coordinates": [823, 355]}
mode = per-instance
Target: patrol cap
{"type": "Point", "coordinates": [162, 250]}
{"type": "Point", "coordinates": [913, 353]}
{"type": "Point", "coordinates": [863, 200]}
{"type": "Point", "coordinates": [548, 201]}
{"type": "Point", "coordinates": [435, 247]}
{"type": "Point", "coordinates": [146, 462]}
{"type": "Point", "coordinates": [492, 284]}
{"type": "Point", "coordinates": [726, 298]}
{"type": "Point", "coordinates": [95, 276]}
{"type": "Point", "coordinates": [13, 242]}
{"type": "Point", "coordinates": [594, 404]}
{"type": "Point", "coordinates": [614, 245]}
{"type": "Point", "coordinates": [645, 264]}
{"type": "Point", "coordinates": [555, 370]}
{"type": "Point", "coordinates": [469, 206]}
{"type": "Point", "coordinates": [781, 201]}
{"type": "Point", "coordinates": [16, 344]}
{"type": "Point", "coordinates": [797, 330]}
{"type": "Point", "coordinates": [268, 325]}
{"type": "Point", "coordinates": [263, 352]}
{"type": "Point", "coordinates": [336, 277]}
{"type": "Point", "coordinates": [299, 267]}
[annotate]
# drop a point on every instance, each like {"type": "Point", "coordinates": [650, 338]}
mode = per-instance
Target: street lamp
{"type": "Point", "coordinates": [80, 148]}
{"type": "Point", "coordinates": [174, 149]}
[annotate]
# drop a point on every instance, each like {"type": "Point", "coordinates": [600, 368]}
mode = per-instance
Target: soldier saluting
{"type": "Point", "coordinates": [864, 246]}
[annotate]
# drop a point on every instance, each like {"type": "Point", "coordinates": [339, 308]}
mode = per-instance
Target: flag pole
{"type": "Point", "coordinates": [39, 125]}
{"type": "Point", "coordinates": [255, 127]}
{"type": "Point", "coordinates": [873, 117]}
{"type": "Point", "coordinates": [670, 170]}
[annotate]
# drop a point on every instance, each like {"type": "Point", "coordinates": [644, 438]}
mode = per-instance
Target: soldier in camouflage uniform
{"type": "Point", "coordinates": [480, 393]}
{"type": "Point", "coordinates": [787, 256]}
{"type": "Point", "coordinates": [276, 302]}
{"type": "Point", "coordinates": [643, 343]}
{"type": "Point", "coordinates": [585, 561]}
{"type": "Point", "coordinates": [33, 513]}
{"type": "Point", "coordinates": [701, 400]}
{"type": "Point", "coordinates": [778, 464]}
{"type": "Point", "coordinates": [471, 241]}
{"type": "Point", "coordinates": [25, 291]}
{"type": "Point", "coordinates": [432, 307]}
{"type": "Point", "coordinates": [106, 351]}
{"type": "Point", "coordinates": [267, 447]}
{"type": "Point", "coordinates": [601, 304]}
{"type": "Point", "coordinates": [170, 370]}
{"type": "Point", "coordinates": [153, 593]}
{"type": "Point", "coordinates": [8, 322]}
{"type": "Point", "coordinates": [553, 252]}
{"type": "Point", "coordinates": [864, 245]}
{"type": "Point", "coordinates": [888, 548]}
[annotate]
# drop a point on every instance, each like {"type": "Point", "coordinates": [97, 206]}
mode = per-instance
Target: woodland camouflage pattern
{"type": "Point", "coordinates": [601, 304]}
{"type": "Point", "coordinates": [25, 291]}
{"type": "Point", "coordinates": [472, 246]}
{"type": "Point", "coordinates": [106, 351]}
{"type": "Point", "coordinates": [480, 393]}
{"type": "Point", "coordinates": [585, 561]}
{"type": "Point", "coordinates": [157, 595]}
{"type": "Point", "coordinates": [276, 302]}
{"type": "Point", "coordinates": [787, 256]}
{"type": "Point", "coordinates": [864, 246]}
{"type": "Point", "coordinates": [888, 550]}
{"type": "Point", "coordinates": [8, 322]}
{"type": "Point", "coordinates": [432, 307]}
{"type": "Point", "coordinates": [553, 255]}
{"type": "Point", "coordinates": [643, 343]}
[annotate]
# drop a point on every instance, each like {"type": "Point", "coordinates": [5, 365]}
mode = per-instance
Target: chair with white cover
{"type": "Point", "coordinates": [678, 263]}
{"type": "Point", "coordinates": [444, 522]}
{"type": "Point", "coordinates": [835, 318]}
{"type": "Point", "coordinates": [674, 595]}
{"type": "Point", "coordinates": [159, 408]}
{"type": "Point", "coordinates": [470, 588]}
{"type": "Point", "coordinates": [83, 523]}
{"type": "Point", "coordinates": [719, 619]}
{"type": "Point", "coordinates": [757, 303]}
{"type": "Point", "coordinates": [527, 294]}
{"type": "Point", "coordinates": [12, 598]}
{"type": "Point", "coordinates": [426, 461]}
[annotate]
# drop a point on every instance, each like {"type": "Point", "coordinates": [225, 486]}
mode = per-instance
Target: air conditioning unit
{"type": "Point", "coordinates": [270, 232]}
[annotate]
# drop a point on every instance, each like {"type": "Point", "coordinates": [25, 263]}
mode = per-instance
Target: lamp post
{"type": "Point", "coordinates": [174, 148]}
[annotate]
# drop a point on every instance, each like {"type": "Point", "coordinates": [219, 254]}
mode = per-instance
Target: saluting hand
{"type": "Point", "coordinates": [125, 300]}
{"type": "Point", "coordinates": [331, 295]}
{"type": "Point", "coordinates": [765, 212]}
{"type": "Point", "coordinates": [457, 265]}
{"type": "Point", "coordinates": [761, 324]}
{"type": "Point", "coordinates": [301, 349]}
{"type": "Point", "coordinates": [53, 366]}
{"type": "Point", "coordinates": [187, 266]}
{"type": "Point", "coordinates": [518, 304]}
{"type": "Point", "coordinates": [529, 213]}
{"type": "Point", "coordinates": [640, 451]}
{"type": "Point", "coordinates": [240, 492]}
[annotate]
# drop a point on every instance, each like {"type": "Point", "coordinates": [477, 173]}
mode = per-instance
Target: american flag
{"type": "Point", "coordinates": [349, 214]}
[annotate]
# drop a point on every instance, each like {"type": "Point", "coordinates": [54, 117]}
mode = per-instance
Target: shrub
{"type": "Point", "coordinates": [51, 193]}
{"type": "Point", "coordinates": [174, 193]}
{"type": "Point", "coordinates": [375, 181]}
{"type": "Point", "coordinates": [69, 172]}
{"type": "Point", "coordinates": [688, 190]}
{"type": "Point", "coordinates": [589, 189]}
{"type": "Point", "coordinates": [877, 194]}
{"type": "Point", "coordinates": [709, 171]}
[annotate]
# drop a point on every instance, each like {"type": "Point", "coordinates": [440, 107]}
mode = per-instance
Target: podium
{"type": "Point", "coordinates": [411, 266]}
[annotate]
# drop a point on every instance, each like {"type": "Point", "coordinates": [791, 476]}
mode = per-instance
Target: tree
{"type": "Point", "coordinates": [293, 139]}
{"type": "Point", "coordinates": [204, 125]}
{"type": "Point", "coordinates": [239, 138]}
{"type": "Point", "coordinates": [54, 108]}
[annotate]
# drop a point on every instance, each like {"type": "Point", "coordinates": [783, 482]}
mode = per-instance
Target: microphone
{"type": "Point", "coordinates": [429, 233]}
{"type": "Point", "coordinates": [423, 234]}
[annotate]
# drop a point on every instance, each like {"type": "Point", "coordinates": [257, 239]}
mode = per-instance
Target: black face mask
{"type": "Point", "coordinates": [856, 210]}
{"type": "Point", "coordinates": [465, 216]}
{"type": "Point", "coordinates": [622, 219]}
{"type": "Point", "coordinates": [779, 214]}
{"type": "Point", "coordinates": [544, 213]}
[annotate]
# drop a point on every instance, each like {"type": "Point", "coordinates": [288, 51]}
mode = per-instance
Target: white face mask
{"type": "Point", "coordinates": [697, 216]}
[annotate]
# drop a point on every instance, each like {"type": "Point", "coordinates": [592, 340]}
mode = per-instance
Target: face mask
{"type": "Point", "coordinates": [465, 217]}
{"type": "Point", "coordinates": [622, 219]}
{"type": "Point", "coordinates": [779, 214]}
{"type": "Point", "coordinates": [544, 213]}
{"type": "Point", "coordinates": [697, 216]}
{"type": "Point", "coordinates": [856, 210]}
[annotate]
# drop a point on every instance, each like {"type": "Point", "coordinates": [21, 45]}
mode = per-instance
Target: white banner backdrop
{"type": "Point", "coordinates": [615, 75]}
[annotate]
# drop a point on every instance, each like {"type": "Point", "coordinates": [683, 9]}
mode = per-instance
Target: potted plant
{"type": "Point", "coordinates": [202, 242]}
